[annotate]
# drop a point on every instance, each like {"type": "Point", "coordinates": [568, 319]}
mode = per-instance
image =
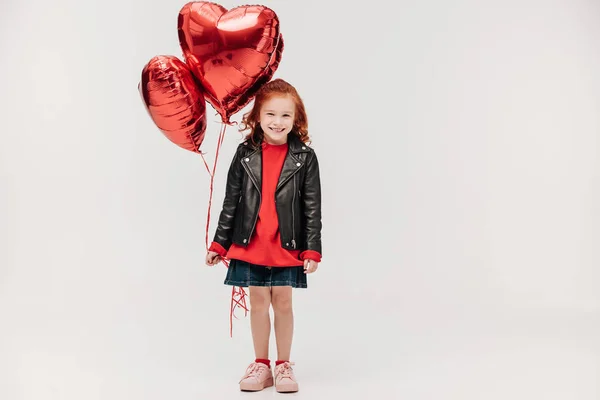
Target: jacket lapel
{"type": "Point", "coordinates": [253, 165]}
{"type": "Point", "coordinates": [291, 165]}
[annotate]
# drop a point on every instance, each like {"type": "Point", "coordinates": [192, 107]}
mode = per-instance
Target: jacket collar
{"type": "Point", "coordinates": [296, 145]}
{"type": "Point", "coordinates": [292, 164]}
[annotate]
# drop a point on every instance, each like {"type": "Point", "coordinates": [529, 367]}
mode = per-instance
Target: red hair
{"type": "Point", "coordinates": [276, 87]}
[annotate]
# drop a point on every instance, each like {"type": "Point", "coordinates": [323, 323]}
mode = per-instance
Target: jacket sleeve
{"type": "Point", "coordinates": [224, 232]}
{"type": "Point", "coordinates": [312, 204]}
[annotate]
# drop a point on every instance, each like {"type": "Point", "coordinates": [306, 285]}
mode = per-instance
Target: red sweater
{"type": "Point", "coordinates": [264, 247]}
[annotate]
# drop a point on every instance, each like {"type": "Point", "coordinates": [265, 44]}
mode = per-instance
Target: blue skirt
{"type": "Point", "coordinates": [243, 274]}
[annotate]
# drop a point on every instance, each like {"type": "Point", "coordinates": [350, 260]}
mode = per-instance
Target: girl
{"type": "Point", "coordinates": [270, 225]}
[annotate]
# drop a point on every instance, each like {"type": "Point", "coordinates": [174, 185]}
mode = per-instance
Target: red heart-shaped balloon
{"type": "Point", "coordinates": [232, 53]}
{"type": "Point", "coordinates": [175, 101]}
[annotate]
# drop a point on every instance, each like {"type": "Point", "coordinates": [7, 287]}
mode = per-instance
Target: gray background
{"type": "Point", "coordinates": [459, 150]}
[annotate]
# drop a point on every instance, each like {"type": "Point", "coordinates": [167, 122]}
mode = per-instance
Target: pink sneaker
{"type": "Point", "coordinates": [257, 377]}
{"type": "Point", "coordinates": [285, 381]}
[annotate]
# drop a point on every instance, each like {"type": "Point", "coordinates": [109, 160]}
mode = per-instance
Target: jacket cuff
{"type": "Point", "coordinates": [310, 255]}
{"type": "Point", "coordinates": [216, 247]}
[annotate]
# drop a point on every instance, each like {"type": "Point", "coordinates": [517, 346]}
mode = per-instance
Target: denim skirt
{"type": "Point", "coordinates": [243, 274]}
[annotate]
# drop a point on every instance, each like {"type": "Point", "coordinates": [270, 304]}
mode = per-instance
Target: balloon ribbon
{"type": "Point", "coordinates": [238, 294]}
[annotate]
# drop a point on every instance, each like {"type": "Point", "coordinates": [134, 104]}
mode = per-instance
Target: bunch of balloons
{"type": "Point", "coordinates": [228, 56]}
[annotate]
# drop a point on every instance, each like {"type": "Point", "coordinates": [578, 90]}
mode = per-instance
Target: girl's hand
{"type": "Point", "coordinates": [310, 266]}
{"type": "Point", "coordinates": [212, 258]}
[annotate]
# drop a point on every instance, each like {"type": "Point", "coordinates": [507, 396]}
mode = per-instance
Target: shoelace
{"type": "Point", "coordinates": [285, 370]}
{"type": "Point", "coordinates": [254, 371]}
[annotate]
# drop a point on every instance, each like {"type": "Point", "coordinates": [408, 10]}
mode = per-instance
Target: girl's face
{"type": "Point", "coordinates": [277, 118]}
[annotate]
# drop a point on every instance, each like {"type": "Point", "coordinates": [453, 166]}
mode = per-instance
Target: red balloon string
{"type": "Point", "coordinates": [212, 179]}
{"type": "Point", "coordinates": [205, 164]}
{"type": "Point", "coordinates": [238, 295]}
{"type": "Point", "coordinates": [241, 302]}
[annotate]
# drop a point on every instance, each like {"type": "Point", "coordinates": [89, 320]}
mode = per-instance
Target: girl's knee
{"type": "Point", "coordinates": [282, 300]}
{"type": "Point", "coordinates": [260, 299]}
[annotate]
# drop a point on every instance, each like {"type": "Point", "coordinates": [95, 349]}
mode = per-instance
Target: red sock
{"type": "Point", "coordinates": [280, 362]}
{"type": "Point", "coordinates": [264, 361]}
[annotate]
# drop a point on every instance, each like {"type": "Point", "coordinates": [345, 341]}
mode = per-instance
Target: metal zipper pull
{"type": "Point", "coordinates": [293, 243]}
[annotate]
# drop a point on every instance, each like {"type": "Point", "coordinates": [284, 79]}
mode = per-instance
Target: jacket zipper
{"type": "Point", "coordinates": [293, 217]}
{"type": "Point", "coordinates": [255, 219]}
{"type": "Point", "coordinates": [259, 203]}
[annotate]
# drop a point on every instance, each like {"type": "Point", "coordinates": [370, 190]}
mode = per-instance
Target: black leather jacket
{"type": "Point", "coordinates": [297, 198]}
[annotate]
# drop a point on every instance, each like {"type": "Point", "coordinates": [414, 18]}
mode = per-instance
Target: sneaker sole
{"type": "Point", "coordinates": [287, 388]}
{"type": "Point", "coordinates": [255, 387]}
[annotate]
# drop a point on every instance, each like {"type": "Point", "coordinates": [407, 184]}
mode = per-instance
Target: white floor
{"type": "Point", "coordinates": [363, 350]}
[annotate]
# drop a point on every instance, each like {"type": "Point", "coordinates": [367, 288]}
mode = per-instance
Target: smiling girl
{"type": "Point", "coordinates": [270, 225]}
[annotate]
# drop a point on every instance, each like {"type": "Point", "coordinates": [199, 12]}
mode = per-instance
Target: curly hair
{"type": "Point", "coordinates": [250, 120]}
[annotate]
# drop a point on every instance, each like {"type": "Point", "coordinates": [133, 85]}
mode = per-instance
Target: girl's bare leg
{"type": "Point", "coordinates": [281, 298]}
{"type": "Point", "coordinates": [260, 321]}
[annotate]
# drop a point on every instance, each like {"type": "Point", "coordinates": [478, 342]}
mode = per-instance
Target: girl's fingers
{"type": "Point", "coordinates": [310, 267]}
{"type": "Point", "coordinates": [212, 260]}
